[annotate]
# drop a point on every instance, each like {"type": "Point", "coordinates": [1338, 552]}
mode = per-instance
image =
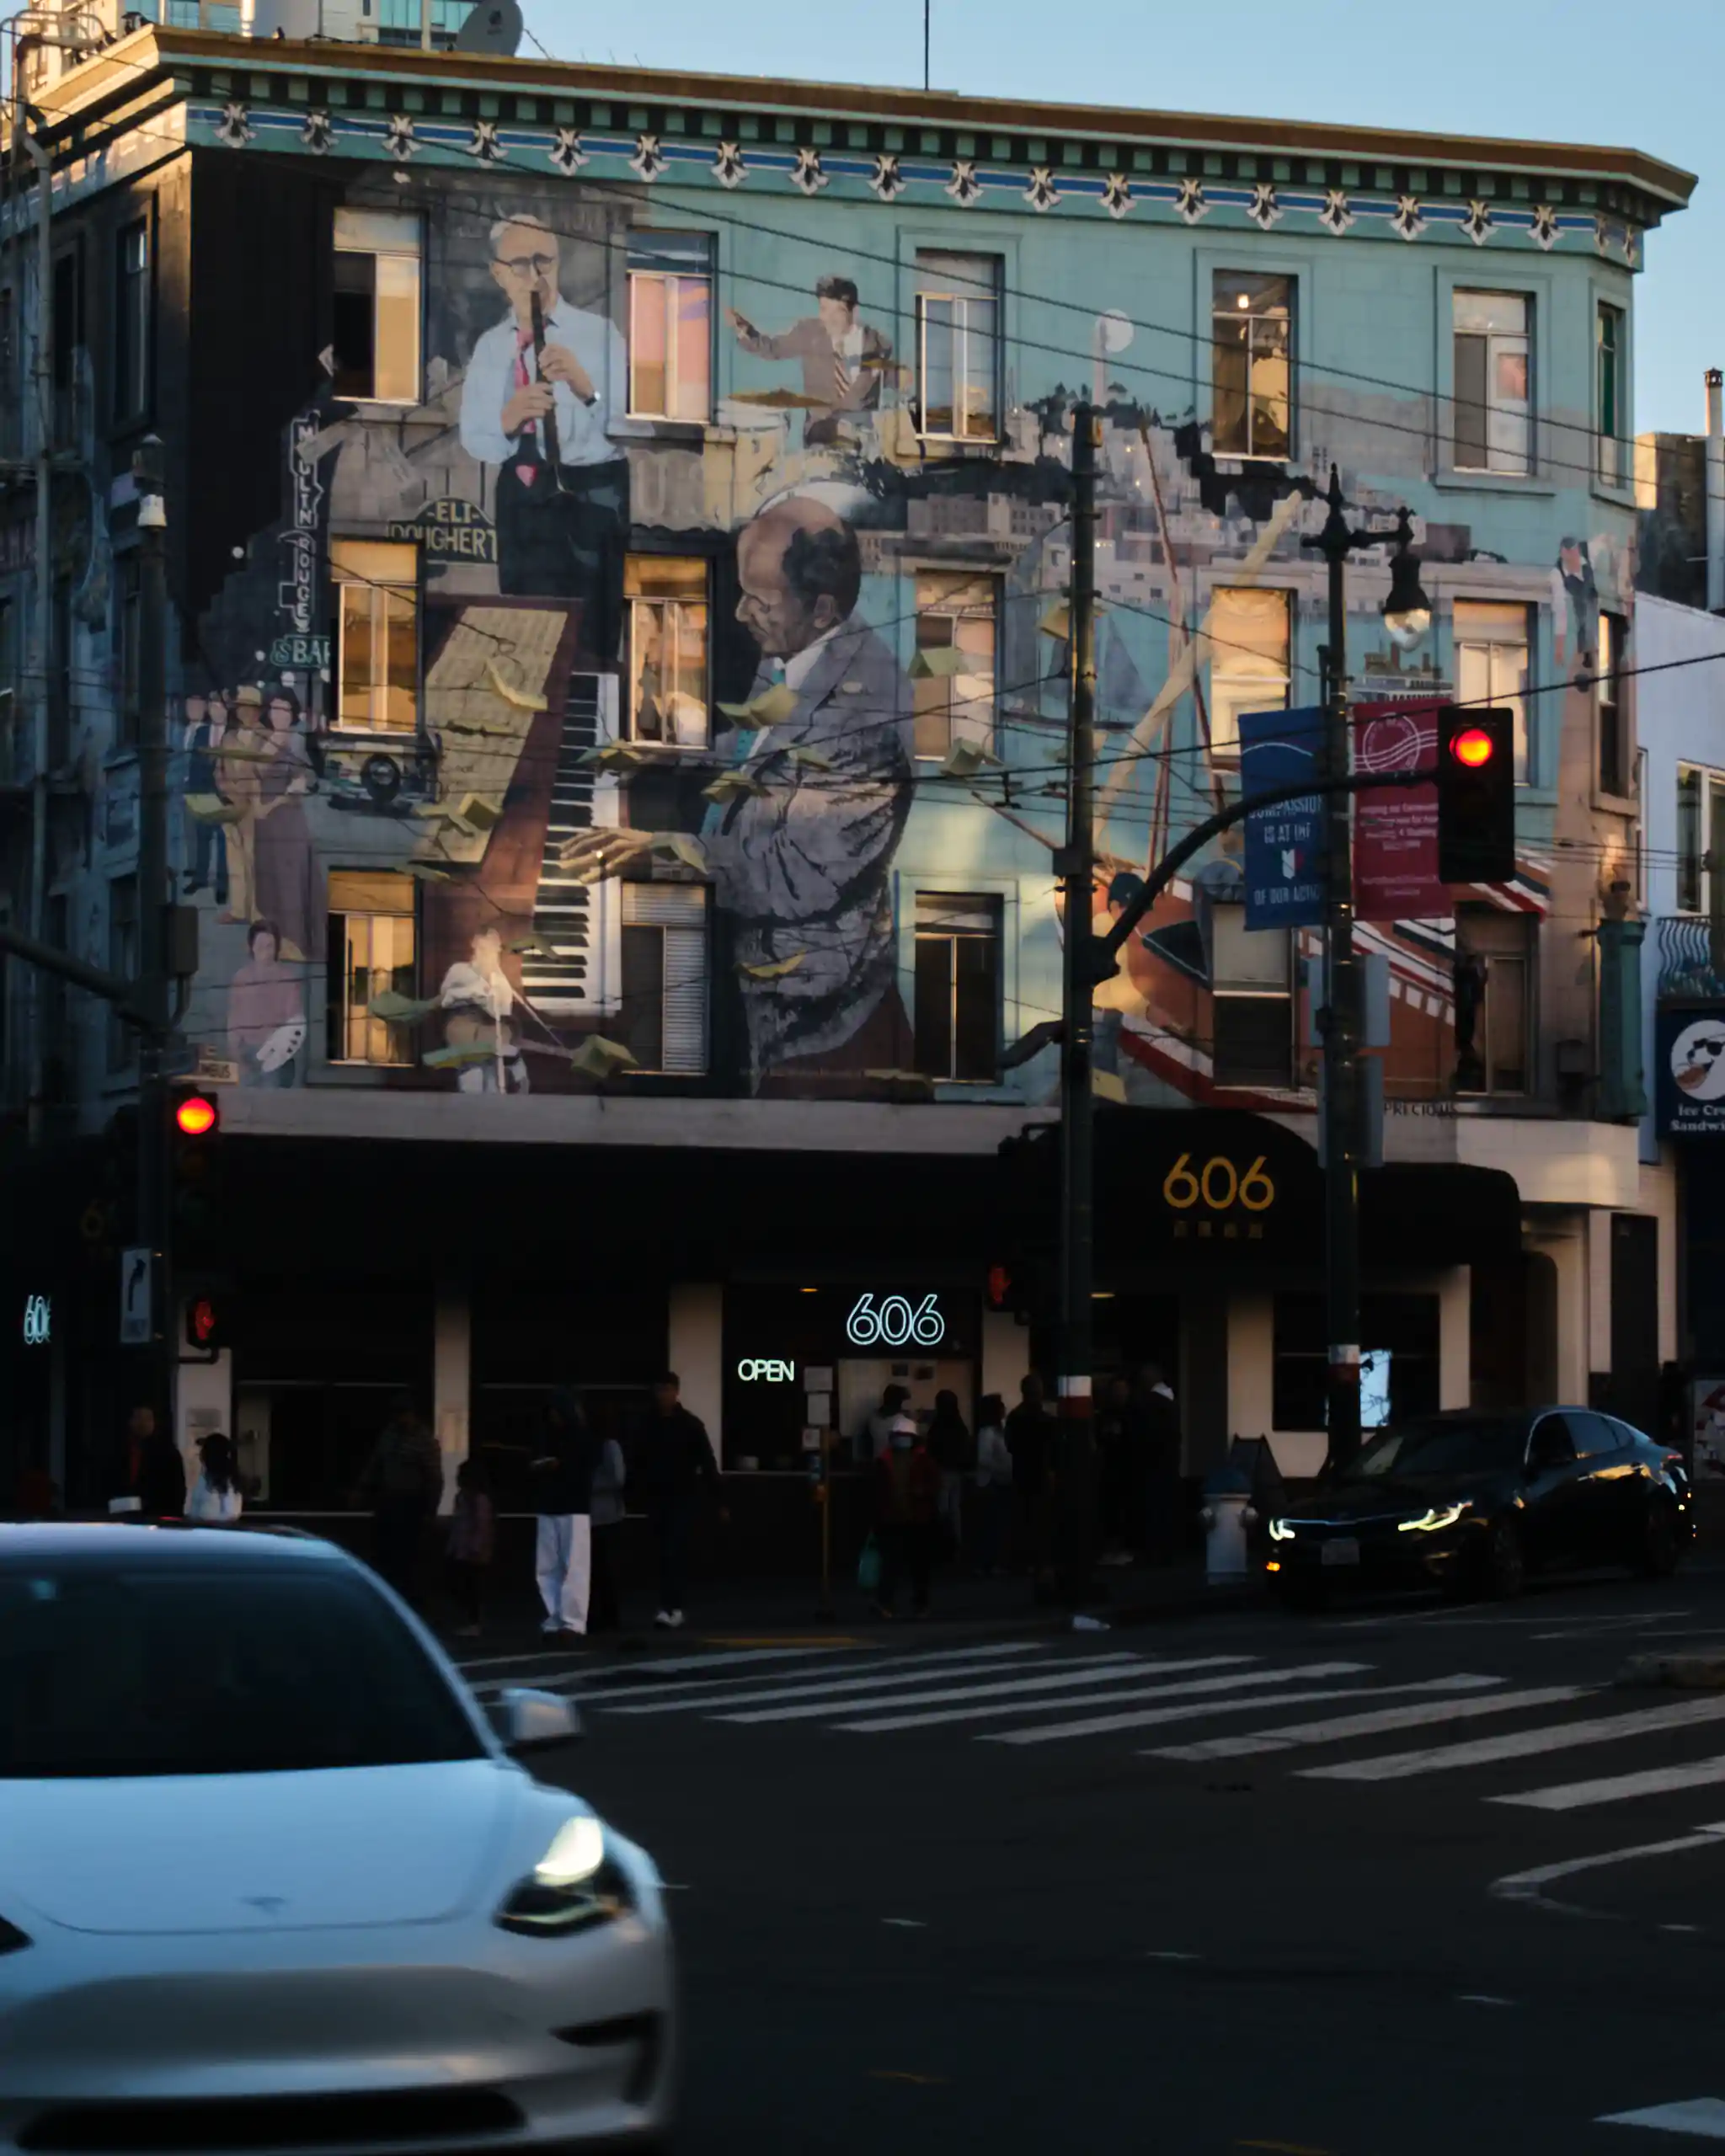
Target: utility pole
{"type": "Point", "coordinates": [1075, 863]}
{"type": "Point", "coordinates": [154, 901]}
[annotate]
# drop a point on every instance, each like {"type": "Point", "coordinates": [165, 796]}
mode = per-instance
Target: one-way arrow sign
{"type": "Point", "coordinates": [138, 1296]}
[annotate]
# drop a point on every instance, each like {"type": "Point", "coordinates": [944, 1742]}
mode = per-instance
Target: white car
{"type": "Point", "coordinates": [270, 1879]}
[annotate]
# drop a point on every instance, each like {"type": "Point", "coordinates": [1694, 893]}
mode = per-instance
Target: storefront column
{"type": "Point", "coordinates": [451, 1383]}
{"type": "Point", "coordinates": [1006, 1355]}
{"type": "Point", "coordinates": [1201, 1384]}
{"type": "Point", "coordinates": [696, 1338]}
{"type": "Point", "coordinates": [1251, 1364]}
{"type": "Point", "coordinates": [1564, 1351]}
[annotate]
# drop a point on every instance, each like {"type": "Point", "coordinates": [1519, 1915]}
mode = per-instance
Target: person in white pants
{"type": "Point", "coordinates": [563, 1489]}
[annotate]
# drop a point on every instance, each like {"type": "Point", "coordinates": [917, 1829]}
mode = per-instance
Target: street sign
{"type": "Point", "coordinates": [300, 654]}
{"type": "Point", "coordinates": [1284, 850]}
{"type": "Point", "coordinates": [1689, 1073]}
{"type": "Point", "coordinates": [1395, 832]}
{"type": "Point", "coordinates": [138, 1296]}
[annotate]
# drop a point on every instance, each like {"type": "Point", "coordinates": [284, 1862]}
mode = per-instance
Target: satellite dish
{"type": "Point", "coordinates": [493, 26]}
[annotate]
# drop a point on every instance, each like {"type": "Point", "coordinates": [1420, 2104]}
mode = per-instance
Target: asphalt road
{"type": "Point", "coordinates": [1235, 1883]}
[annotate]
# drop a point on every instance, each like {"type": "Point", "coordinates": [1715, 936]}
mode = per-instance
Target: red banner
{"type": "Point", "coordinates": [1395, 832]}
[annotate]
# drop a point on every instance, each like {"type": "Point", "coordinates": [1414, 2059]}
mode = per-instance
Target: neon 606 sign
{"type": "Point", "coordinates": [894, 1323]}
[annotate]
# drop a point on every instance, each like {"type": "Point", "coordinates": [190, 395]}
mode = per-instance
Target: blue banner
{"type": "Point", "coordinates": [1284, 845]}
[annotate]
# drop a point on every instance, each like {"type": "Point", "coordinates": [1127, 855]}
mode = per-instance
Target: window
{"type": "Point", "coordinates": [957, 346]}
{"type": "Point", "coordinates": [1491, 644]}
{"type": "Point", "coordinates": [958, 986]}
{"type": "Point", "coordinates": [1611, 725]}
{"type": "Point", "coordinates": [377, 306]}
{"type": "Point", "coordinates": [1493, 384]}
{"type": "Point", "coordinates": [68, 321]}
{"type": "Point", "coordinates": [1701, 831]}
{"type": "Point", "coordinates": [671, 325]}
{"type": "Point", "coordinates": [668, 650]}
{"type": "Point", "coordinates": [1249, 637]}
{"type": "Point", "coordinates": [1610, 404]}
{"type": "Point", "coordinates": [952, 679]}
{"type": "Point", "coordinates": [1253, 1003]}
{"type": "Point", "coordinates": [1252, 357]}
{"type": "Point", "coordinates": [1493, 1005]}
{"type": "Point", "coordinates": [122, 959]}
{"type": "Point", "coordinates": [132, 321]}
{"type": "Point", "coordinates": [371, 953]}
{"type": "Point", "coordinates": [60, 698]}
{"type": "Point", "coordinates": [664, 952]}
{"type": "Point", "coordinates": [377, 628]}
{"type": "Point", "coordinates": [127, 585]}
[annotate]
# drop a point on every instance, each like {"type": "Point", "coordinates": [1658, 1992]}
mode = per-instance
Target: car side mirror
{"type": "Point", "coordinates": [534, 1721]}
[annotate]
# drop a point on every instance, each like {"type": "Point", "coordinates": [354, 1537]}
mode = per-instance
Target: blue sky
{"type": "Point", "coordinates": [1646, 76]}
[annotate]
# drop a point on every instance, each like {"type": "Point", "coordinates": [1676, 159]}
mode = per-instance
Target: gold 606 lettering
{"type": "Point", "coordinates": [1218, 1185]}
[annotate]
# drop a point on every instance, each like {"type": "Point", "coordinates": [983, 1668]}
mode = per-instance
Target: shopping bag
{"type": "Point", "coordinates": [869, 1567]}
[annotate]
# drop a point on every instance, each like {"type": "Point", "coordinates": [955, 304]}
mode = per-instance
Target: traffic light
{"type": "Point", "coordinates": [1475, 796]}
{"type": "Point", "coordinates": [206, 1324]}
{"type": "Point", "coordinates": [195, 1140]}
{"type": "Point", "coordinates": [195, 1115]}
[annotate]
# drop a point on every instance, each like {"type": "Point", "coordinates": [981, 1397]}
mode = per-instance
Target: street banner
{"type": "Point", "coordinates": [1284, 845]}
{"type": "Point", "coordinates": [1689, 1074]}
{"type": "Point", "coordinates": [1395, 832]}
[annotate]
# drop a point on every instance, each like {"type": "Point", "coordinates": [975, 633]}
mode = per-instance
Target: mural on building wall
{"type": "Point", "coordinates": [512, 655]}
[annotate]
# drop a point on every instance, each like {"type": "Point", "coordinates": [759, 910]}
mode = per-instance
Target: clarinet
{"type": "Point", "coordinates": [548, 423]}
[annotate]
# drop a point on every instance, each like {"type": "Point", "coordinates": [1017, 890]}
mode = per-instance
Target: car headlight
{"type": "Point", "coordinates": [574, 1884]}
{"type": "Point", "coordinates": [1281, 1531]}
{"type": "Point", "coordinates": [1438, 1516]}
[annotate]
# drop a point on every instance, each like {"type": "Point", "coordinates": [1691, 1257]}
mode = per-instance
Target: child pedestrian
{"type": "Point", "coordinates": [472, 1530]}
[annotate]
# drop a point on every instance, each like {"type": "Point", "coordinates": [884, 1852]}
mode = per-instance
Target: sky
{"type": "Point", "coordinates": [1645, 76]}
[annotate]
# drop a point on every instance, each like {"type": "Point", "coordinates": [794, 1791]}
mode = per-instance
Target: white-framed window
{"type": "Point", "coordinates": [1700, 832]}
{"type": "Point", "coordinates": [953, 677]}
{"type": "Point", "coordinates": [1638, 829]}
{"type": "Point", "coordinates": [1493, 642]}
{"type": "Point", "coordinates": [671, 325]}
{"type": "Point", "coordinates": [372, 950]}
{"type": "Point", "coordinates": [1249, 642]}
{"type": "Point", "coordinates": [1493, 381]}
{"type": "Point", "coordinates": [665, 969]}
{"type": "Point", "coordinates": [131, 320]}
{"type": "Point", "coordinates": [376, 310]}
{"type": "Point", "coordinates": [377, 635]}
{"type": "Point", "coordinates": [1252, 359]}
{"type": "Point", "coordinates": [957, 1020]}
{"type": "Point", "coordinates": [1251, 1001]}
{"type": "Point", "coordinates": [1611, 398]}
{"type": "Point", "coordinates": [957, 346]}
{"type": "Point", "coordinates": [1494, 1000]}
{"type": "Point", "coordinates": [670, 650]}
{"type": "Point", "coordinates": [1610, 711]}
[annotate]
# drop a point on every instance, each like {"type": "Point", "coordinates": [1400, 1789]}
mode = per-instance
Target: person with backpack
{"type": "Point", "coordinates": [216, 1497]}
{"type": "Point", "coordinates": [907, 1499]}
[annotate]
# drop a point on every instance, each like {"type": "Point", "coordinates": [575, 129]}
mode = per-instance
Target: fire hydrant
{"type": "Point", "coordinates": [1227, 1515]}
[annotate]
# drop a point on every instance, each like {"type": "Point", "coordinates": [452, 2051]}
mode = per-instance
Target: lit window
{"type": "Point", "coordinates": [665, 969]}
{"type": "Point", "coordinates": [377, 659]}
{"type": "Point", "coordinates": [371, 953]}
{"type": "Point", "coordinates": [1492, 648]}
{"type": "Point", "coordinates": [670, 326]}
{"type": "Point", "coordinates": [377, 316]}
{"type": "Point", "coordinates": [957, 346]}
{"type": "Point", "coordinates": [1252, 356]}
{"type": "Point", "coordinates": [668, 650]}
{"type": "Point", "coordinates": [1493, 384]}
{"type": "Point", "coordinates": [1248, 638]}
{"type": "Point", "coordinates": [953, 678]}
{"type": "Point", "coordinates": [957, 1019]}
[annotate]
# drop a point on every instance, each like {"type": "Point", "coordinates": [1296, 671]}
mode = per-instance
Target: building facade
{"type": "Point", "coordinates": [619, 538]}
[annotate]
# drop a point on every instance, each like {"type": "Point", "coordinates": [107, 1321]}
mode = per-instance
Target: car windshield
{"type": "Point", "coordinates": [1471, 1445]}
{"type": "Point", "coordinates": [111, 1667]}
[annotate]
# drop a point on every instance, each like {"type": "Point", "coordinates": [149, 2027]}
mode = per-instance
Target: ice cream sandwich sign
{"type": "Point", "coordinates": [1690, 1063]}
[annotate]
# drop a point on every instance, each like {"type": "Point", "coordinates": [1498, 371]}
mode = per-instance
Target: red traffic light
{"type": "Point", "coordinates": [999, 1285]}
{"type": "Point", "coordinates": [197, 1115]}
{"type": "Point", "coordinates": [200, 1322]}
{"type": "Point", "coordinates": [1474, 747]}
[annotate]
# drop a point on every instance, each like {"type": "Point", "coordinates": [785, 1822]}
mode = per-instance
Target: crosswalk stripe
{"type": "Point", "coordinates": [1103, 1670]}
{"type": "Point", "coordinates": [530, 1660]}
{"type": "Point", "coordinates": [1378, 1722]}
{"type": "Point", "coordinates": [1521, 1743]}
{"type": "Point", "coordinates": [645, 1688]}
{"type": "Point", "coordinates": [1101, 1724]}
{"type": "Point", "coordinates": [910, 1671]}
{"type": "Point", "coordinates": [1612, 1788]}
{"type": "Point", "coordinates": [1703, 2115]}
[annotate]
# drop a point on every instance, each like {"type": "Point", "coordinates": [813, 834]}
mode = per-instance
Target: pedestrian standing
{"type": "Point", "coordinates": [950, 1442]}
{"type": "Point", "coordinates": [215, 1496]}
{"type": "Point", "coordinates": [403, 1483]}
{"type": "Point", "coordinates": [1120, 1473]}
{"type": "Point", "coordinates": [604, 1611]}
{"type": "Point", "coordinates": [994, 1485]}
{"type": "Point", "coordinates": [562, 1476]}
{"type": "Point", "coordinates": [676, 1464]}
{"type": "Point", "coordinates": [1030, 1437]}
{"type": "Point", "coordinates": [877, 1432]}
{"type": "Point", "coordinates": [1160, 1418]}
{"type": "Point", "coordinates": [472, 1542]}
{"type": "Point", "coordinates": [153, 1475]}
{"type": "Point", "coordinates": [907, 1501]}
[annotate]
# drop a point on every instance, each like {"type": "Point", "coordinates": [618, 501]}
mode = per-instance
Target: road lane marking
{"type": "Point", "coordinates": [1378, 1722]}
{"type": "Point", "coordinates": [906, 1923]}
{"type": "Point", "coordinates": [1527, 1886]}
{"type": "Point", "coordinates": [1703, 2115]}
{"type": "Point", "coordinates": [1521, 1743]}
{"type": "Point", "coordinates": [1080, 1693]}
{"type": "Point", "coordinates": [1101, 1725]}
{"type": "Point", "coordinates": [1007, 1695]}
{"type": "Point", "coordinates": [1613, 1789]}
{"type": "Point", "coordinates": [1481, 1998]}
{"type": "Point", "coordinates": [899, 1669]}
{"type": "Point", "coordinates": [535, 1658]}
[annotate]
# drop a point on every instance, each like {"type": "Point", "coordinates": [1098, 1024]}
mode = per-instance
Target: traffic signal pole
{"type": "Point", "coordinates": [155, 1388]}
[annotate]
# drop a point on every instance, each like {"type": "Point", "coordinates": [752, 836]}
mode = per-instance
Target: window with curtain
{"type": "Point", "coordinates": [957, 346]}
{"type": "Point", "coordinates": [372, 951]}
{"type": "Point", "coordinates": [377, 635]}
{"type": "Point", "coordinates": [664, 977]}
{"type": "Point", "coordinates": [1492, 643]}
{"type": "Point", "coordinates": [1251, 329]}
{"type": "Point", "coordinates": [671, 325]}
{"type": "Point", "coordinates": [376, 306]}
{"type": "Point", "coordinates": [1493, 381]}
{"type": "Point", "coordinates": [668, 649]}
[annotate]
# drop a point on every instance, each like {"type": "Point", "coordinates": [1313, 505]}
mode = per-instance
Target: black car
{"type": "Point", "coordinates": [1470, 1502]}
